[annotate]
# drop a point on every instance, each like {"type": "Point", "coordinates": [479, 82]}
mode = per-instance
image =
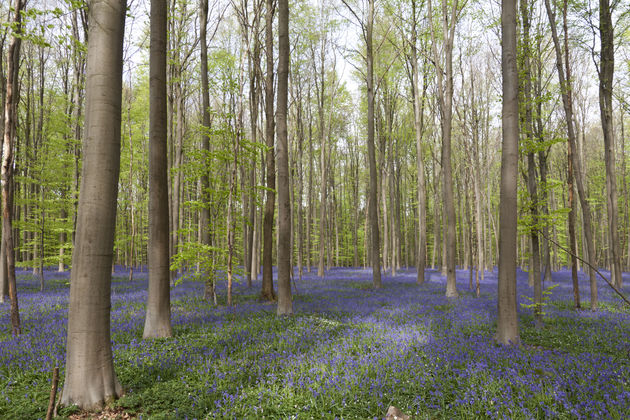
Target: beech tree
{"type": "Point", "coordinates": [267, 286]}
{"type": "Point", "coordinates": [8, 140]}
{"type": "Point", "coordinates": [367, 29]}
{"type": "Point", "coordinates": [204, 222]}
{"type": "Point", "coordinates": [443, 61]}
{"type": "Point", "coordinates": [507, 324]}
{"type": "Point", "coordinates": [90, 378]}
{"type": "Point", "coordinates": [285, 304]}
{"type": "Point", "coordinates": [575, 168]}
{"type": "Point", "coordinates": [158, 319]}
{"type": "Point", "coordinates": [606, 79]}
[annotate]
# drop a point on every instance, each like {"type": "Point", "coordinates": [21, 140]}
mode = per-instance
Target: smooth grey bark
{"type": "Point", "coordinates": [285, 303]}
{"type": "Point", "coordinates": [507, 323]}
{"type": "Point", "coordinates": [375, 247]}
{"type": "Point", "coordinates": [606, 74]}
{"type": "Point", "coordinates": [309, 214]}
{"type": "Point", "coordinates": [238, 123]}
{"type": "Point", "coordinates": [543, 168]}
{"type": "Point", "coordinates": [298, 198]}
{"type": "Point", "coordinates": [158, 318]}
{"type": "Point", "coordinates": [445, 98]}
{"type": "Point", "coordinates": [8, 140]}
{"type": "Point", "coordinates": [78, 71]}
{"type": "Point", "coordinates": [268, 293]}
{"type": "Point", "coordinates": [250, 30]}
{"type": "Point", "coordinates": [532, 181]}
{"type": "Point", "coordinates": [254, 95]}
{"type": "Point", "coordinates": [90, 378]}
{"type": "Point", "coordinates": [418, 108]}
{"type": "Point", "coordinates": [477, 114]}
{"type": "Point", "coordinates": [132, 209]}
{"type": "Point", "coordinates": [572, 238]}
{"type": "Point", "coordinates": [367, 28]}
{"type": "Point", "coordinates": [320, 89]}
{"type": "Point", "coordinates": [4, 283]}
{"type": "Point", "coordinates": [564, 77]}
{"type": "Point", "coordinates": [205, 121]}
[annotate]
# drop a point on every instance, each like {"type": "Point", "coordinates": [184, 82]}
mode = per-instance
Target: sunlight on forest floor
{"type": "Point", "coordinates": [349, 352]}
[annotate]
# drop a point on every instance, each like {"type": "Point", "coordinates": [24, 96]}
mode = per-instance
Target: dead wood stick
{"type": "Point", "coordinates": [612, 286]}
{"type": "Point", "coordinates": [53, 393]}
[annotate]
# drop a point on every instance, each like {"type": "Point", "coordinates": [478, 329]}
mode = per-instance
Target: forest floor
{"type": "Point", "coordinates": [348, 352]}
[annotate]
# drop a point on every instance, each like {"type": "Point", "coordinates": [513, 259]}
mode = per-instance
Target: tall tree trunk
{"type": "Point", "coordinates": [572, 239]}
{"type": "Point", "coordinates": [606, 74]}
{"type": "Point", "coordinates": [90, 378]}
{"type": "Point", "coordinates": [132, 211]}
{"type": "Point", "coordinates": [158, 318]}
{"type": "Point", "coordinates": [564, 76]}
{"type": "Point", "coordinates": [267, 282]}
{"type": "Point", "coordinates": [285, 304]}
{"type": "Point", "coordinates": [300, 187]}
{"type": "Point", "coordinates": [476, 171]}
{"type": "Point", "coordinates": [205, 120]}
{"type": "Point", "coordinates": [532, 182]}
{"type": "Point", "coordinates": [79, 80]}
{"type": "Point", "coordinates": [10, 128]}
{"type": "Point", "coordinates": [375, 247]}
{"type": "Point", "coordinates": [507, 324]}
{"type": "Point", "coordinates": [4, 283]}
{"type": "Point", "coordinates": [418, 113]}
{"type": "Point", "coordinates": [309, 214]}
{"type": "Point", "coordinates": [445, 96]}
{"type": "Point", "coordinates": [254, 95]}
{"type": "Point", "coordinates": [176, 192]}
{"type": "Point", "coordinates": [320, 89]}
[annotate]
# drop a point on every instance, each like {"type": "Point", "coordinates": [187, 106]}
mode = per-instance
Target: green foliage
{"type": "Point", "coordinates": [539, 305]}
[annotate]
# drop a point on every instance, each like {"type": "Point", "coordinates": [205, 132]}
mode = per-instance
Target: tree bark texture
{"type": "Point", "coordinates": [158, 318]}
{"type": "Point", "coordinates": [90, 378]}
{"type": "Point", "coordinates": [268, 293]}
{"type": "Point", "coordinates": [205, 138]}
{"type": "Point", "coordinates": [418, 108]}
{"type": "Point", "coordinates": [532, 182]}
{"type": "Point", "coordinates": [606, 74]}
{"type": "Point", "coordinates": [375, 245]}
{"type": "Point", "coordinates": [10, 123]}
{"type": "Point", "coordinates": [445, 97]}
{"type": "Point", "coordinates": [507, 323]}
{"type": "Point", "coordinates": [285, 303]}
{"type": "Point", "coordinates": [564, 77]}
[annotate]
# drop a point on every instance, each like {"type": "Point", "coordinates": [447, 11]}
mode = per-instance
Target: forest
{"type": "Point", "coordinates": [315, 209]}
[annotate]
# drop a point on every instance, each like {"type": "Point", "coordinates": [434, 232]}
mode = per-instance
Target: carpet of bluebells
{"type": "Point", "coordinates": [349, 352]}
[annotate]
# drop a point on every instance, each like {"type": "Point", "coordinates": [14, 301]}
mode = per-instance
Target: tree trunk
{"type": "Point", "coordinates": [90, 378]}
{"type": "Point", "coordinates": [418, 113]}
{"type": "Point", "coordinates": [79, 79]}
{"type": "Point", "coordinates": [205, 137]}
{"type": "Point", "coordinates": [507, 324]}
{"type": "Point", "coordinates": [309, 214]}
{"type": "Point", "coordinates": [268, 293]}
{"type": "Point", "coordinates": [158, 318]}
{"type": "Point", "coordinates": [4, 283]}
{"type": "Point", "coordinates": [373, 198]}
{"type": "Point", "coordinates": [285, 303]}
{"type": "Point", "coordinates": [572, 241]}
{"type": "Point", "coordinates": [532, 182]}
{"type": "Point", "coordinates": [564, 76]}
{"type": "Point", "coordinates": [606, 74]}
{"type": "Point", "coordinates": [445, 97]}
{"type": "Point", "coordinates": [10, 128]}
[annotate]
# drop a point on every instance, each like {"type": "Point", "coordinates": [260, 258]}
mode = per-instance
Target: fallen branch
{"type": "Point", "coordinates": [612, 286]}
{"type": "Point", "coordinates": [53, 393]}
